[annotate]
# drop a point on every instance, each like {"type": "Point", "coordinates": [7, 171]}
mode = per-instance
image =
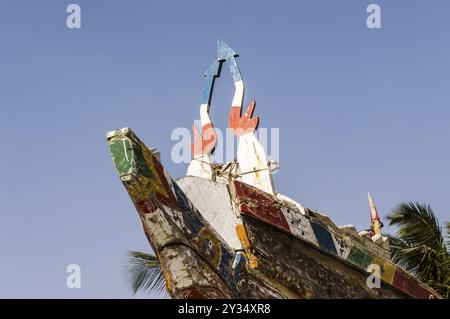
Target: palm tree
{"type": "Point", "coordinates": [143, 272]}
{"type": "Point", "coordinates": [419, 245]}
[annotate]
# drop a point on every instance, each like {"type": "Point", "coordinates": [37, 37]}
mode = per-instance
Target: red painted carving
{"type": "Point", "coordinates": [204, 143]}
{"type": "Point", "coordinates": [259, 205]}
{"type": "Point", "coordinates": [241, 125]}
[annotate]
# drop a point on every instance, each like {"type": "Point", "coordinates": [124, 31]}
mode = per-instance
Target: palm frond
{"type": "Point", "coordinates": [417, 223]}
{"type": "Point", "coordinates": [419, 245]}
{"type": "Point", "coordinates": [448, 236]}
{"type": "Point", "coordinates": [143, 272]}
{"type": "Point", "coordinates": [397, 246]}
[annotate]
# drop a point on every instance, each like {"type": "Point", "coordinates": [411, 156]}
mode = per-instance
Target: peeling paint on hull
{"type": "Point", "coordinates": [261, 247]}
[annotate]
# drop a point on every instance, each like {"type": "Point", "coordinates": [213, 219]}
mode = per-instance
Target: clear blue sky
{"type": "Point", "coordinates": [358, 110]}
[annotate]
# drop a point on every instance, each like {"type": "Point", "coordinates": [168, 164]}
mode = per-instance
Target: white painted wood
{"type": "Point", "coordinates": [349, 230]}
{"type": "Point", "coordinates": [299, 225]}
{"type": "Point", "coordinates": [200, 166]}
{"type": "Point", "coordinates": [238, 97]}
{"type": "Point", "coordinates": [299, 207]}
{"type": "Point", "coordinates": [204, 115]}
{"type": "Point", "coordinates": [254, 168]}
{"type": "Point", "coordinates": [213, 201]}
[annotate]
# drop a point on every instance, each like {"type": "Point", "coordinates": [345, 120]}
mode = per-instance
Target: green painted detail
{"type": "Point", "coordinates": [128, 157]}
{"type": "Point", "coordinates": [356, 256]}
{"type": "Point", "coordinates": [142, 167]}
{"type": "Point", "coordinates": [367, 261]}
{"type": "Point", "coordinates": [359, 258]}
{"type": "Point", "coordinates": [121, 152]}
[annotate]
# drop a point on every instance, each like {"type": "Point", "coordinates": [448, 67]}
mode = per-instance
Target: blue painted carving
{"type": "Point", "coordinates": [211, 74]}
{"type": "Point", "coordinates": [225, 53]}
{"type": "Point", "coordinates": [324, 238]}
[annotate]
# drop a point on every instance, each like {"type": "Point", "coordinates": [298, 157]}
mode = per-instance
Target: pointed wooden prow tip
{"type": "Point", "coordinates": [376, 224]}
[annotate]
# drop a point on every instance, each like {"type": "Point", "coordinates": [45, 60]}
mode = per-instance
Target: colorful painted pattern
{"type": "Point", "coordinates": [266, 208]}
{"type": "Point", "coordinates": [151, 188]}
{"type": "Point", "coordinates": [179, 231]}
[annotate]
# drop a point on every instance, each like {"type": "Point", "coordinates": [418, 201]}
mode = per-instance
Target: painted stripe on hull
{"type": "Point", "coordinates": [324, 238]}
{"type": "Point", "coordinates": [152, 190]}
{"type": "Point", "coordinates": [252, 202]}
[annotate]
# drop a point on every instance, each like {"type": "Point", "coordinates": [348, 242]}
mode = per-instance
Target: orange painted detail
{"type": "Point", "coordinates": [241, 125]}
{"type": "Point", "coordinates": [242, 235]}
{"type": "Point", "coordinates": [240, 230]}
{"type": "Point", "coordinates": [204, 143]}
{"type": "Point", "coordinates": [169, 285]}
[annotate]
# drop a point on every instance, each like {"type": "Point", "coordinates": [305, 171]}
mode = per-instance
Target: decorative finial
{"type": "Point", "coordinates": [374, 218]}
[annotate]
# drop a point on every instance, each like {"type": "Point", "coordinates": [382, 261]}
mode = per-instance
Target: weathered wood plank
{"type": "Point", "coordinates": [305, 270]}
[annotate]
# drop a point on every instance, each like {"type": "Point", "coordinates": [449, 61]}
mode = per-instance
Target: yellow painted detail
{"type": "Point", "coordinates": [387, 269]}
{"type": "Point", "coordinates": [141, 187]}
{"type": "Point", "coordinates": [155, 183]}
{"type": "Point", "coordinates": [242, 235]}
{"type": "Point", "coordinates": [206, 238]}
{"type": "Point", "coordinates": [376, 226]}
{"type": "Point", "coordinates": [166, 276]}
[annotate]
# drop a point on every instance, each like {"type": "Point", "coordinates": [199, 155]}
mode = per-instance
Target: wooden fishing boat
{"type": "Point", "coordinates": [223, 231]}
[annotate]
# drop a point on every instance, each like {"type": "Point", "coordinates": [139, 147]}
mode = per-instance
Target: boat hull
{"type": "Point", "coordinates": [241, 245]}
